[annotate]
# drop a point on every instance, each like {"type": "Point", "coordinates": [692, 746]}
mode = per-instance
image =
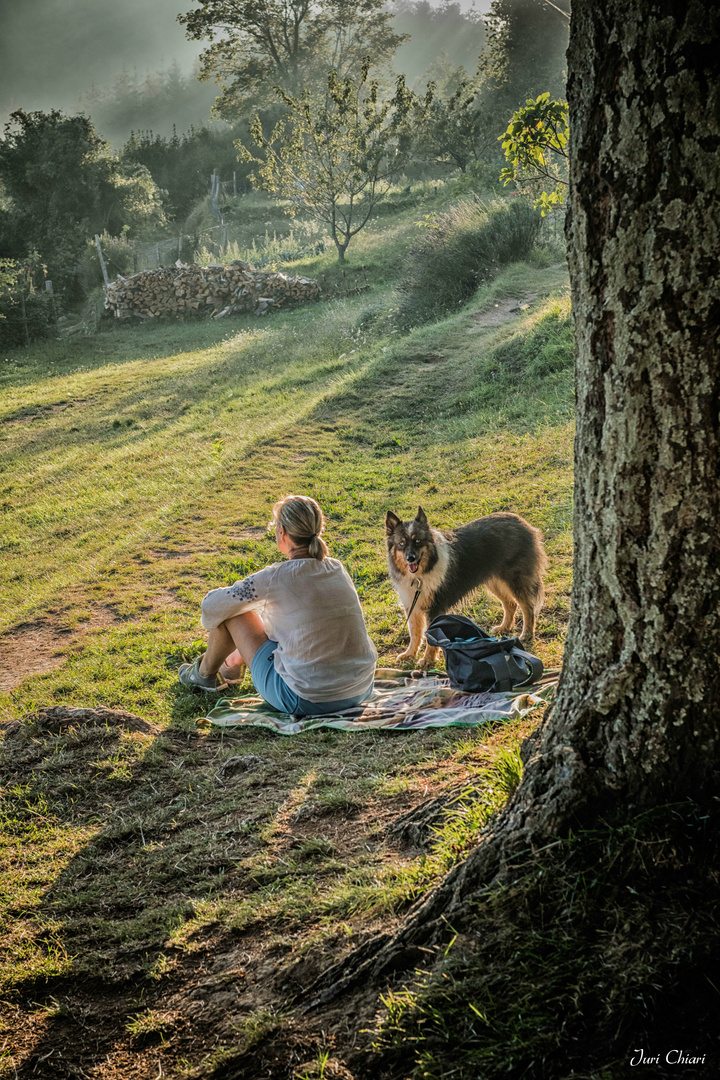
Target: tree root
{"type": "Point", "coordinates": [415, 827]}
{"type": "Point", "coordinates": [533, 819]}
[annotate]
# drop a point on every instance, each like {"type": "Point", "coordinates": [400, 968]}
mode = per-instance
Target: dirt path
{"type": "Point", "coordinates": [31, 648]}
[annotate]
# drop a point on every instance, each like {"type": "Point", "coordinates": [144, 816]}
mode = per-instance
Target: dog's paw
{"type": "Point", "coordinates": [403, 656]}
{"type": "Point", "coordinates": [429, 660]}
{"type": "Point", "coordinates": [501, 631]}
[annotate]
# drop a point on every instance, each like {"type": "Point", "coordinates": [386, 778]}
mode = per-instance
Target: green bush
{"type": "Point", "coordinates": [480, 177]}
{"type": "Point", "coordinates": [119, 256]}
{"type": "Point", "coordinates": [39, 316]}
{"type": "Point", "coordinates": [459, 251]}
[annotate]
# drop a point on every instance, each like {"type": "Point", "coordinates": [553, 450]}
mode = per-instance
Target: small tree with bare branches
{"type": "Point", "coordinates": [336, 161]}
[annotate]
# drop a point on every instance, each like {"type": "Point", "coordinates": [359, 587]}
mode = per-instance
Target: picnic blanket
{"type": "Point", "coordinates": [396, 704]}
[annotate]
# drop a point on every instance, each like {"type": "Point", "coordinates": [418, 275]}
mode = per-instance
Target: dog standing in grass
{"type": "Point", "coordinates": [432, 570]}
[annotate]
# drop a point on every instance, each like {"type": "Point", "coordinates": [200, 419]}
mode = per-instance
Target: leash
{"type": "Point", "coordinates": [418, 587]}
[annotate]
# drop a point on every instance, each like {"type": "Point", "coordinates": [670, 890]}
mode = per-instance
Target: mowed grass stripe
{"type": "Point", "coordinates": [70, 509]}
{"type": "Point", "coordinates": [447, 417]}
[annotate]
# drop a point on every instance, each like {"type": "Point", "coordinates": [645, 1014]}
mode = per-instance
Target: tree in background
{"type": "Point", "coordinates": [157, 102]}
{"type": "Point", "coordinates": [457, 129]}
{"type": "Point", "coordinates": [335, 162]}
{"type": "Point", "coordinates": [257, 44]}
{"type": "Point", "coordinates": [181, 165]}
{"type": "Point", "coordinates": [63, 185]}
{"type": "Point", "coordinates": [525, 54]}
{"type": "Point", "coordinates": [27, 311]}
{"type": "Point", "coordinates": [434, 33]}
{"type": "Point", "coordinates": [8, 276]}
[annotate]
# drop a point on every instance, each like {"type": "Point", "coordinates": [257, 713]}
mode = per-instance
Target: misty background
{"type": "Point", "coordinates": [116, 146]}
{"type": "Point", "coordinates": [90, 55]}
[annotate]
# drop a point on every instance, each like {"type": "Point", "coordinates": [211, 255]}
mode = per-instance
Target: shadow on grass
{"type": "Point", "coordinates": [158, 873]}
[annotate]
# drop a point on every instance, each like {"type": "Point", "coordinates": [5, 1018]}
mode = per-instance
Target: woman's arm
{"type": "Point", "coordinates": [245, 595]}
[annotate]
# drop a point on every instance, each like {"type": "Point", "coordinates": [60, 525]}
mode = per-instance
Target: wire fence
{"type": "Point", "coordinates": [212, 243]}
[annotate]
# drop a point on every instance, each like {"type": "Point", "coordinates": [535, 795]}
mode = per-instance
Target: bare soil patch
{"type": "Point", "coordinates": [178, 555]}
{"type": "Point", "coordinates": [502, 312]}
{"type": "Point", "coordinates": [57, 718]}
{"type": "Point", "coordinates": [31, 648]}
{"type": "Point", "coordinates": [41, 411]}
{"type": "Point", "coordinates": [256, 532]}
{"type": "Point", "coordinates": [426, 359]}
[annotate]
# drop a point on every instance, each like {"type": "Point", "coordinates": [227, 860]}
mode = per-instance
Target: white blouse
{"type": "Point", "coordinates": [311, 608]}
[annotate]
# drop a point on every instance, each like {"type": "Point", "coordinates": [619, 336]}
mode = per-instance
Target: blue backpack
{"type": "Point", "coordinates": [476, 661]}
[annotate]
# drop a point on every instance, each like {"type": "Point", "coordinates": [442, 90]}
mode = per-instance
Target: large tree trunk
{"type": "Point", "coordinates": [635, 723]}
{"type": "Point", "coordinates": [636, 720]}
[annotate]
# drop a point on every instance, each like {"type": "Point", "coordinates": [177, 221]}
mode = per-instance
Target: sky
{"type": "Point", "coordinates": [53, 51]}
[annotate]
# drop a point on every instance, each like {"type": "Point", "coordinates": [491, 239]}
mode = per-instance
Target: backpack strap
{"type": "Point", "coordinates": [510, 670]}
{"type": "Point", "coordinates": [533, 662]}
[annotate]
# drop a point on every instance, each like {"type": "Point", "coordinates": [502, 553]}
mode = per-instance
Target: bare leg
{"type": "Point", "coordinates": [245, 633]}
{"type": "Point", "coordinates": [232, 670]}
{"type": "Point", "coordinates": [219, 645]}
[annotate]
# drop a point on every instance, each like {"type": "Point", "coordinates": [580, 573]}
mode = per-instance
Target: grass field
{"type": "Point", "coordinates": [168, 892]}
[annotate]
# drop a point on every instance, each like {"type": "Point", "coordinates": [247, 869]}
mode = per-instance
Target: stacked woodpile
{"type": "Point", "coordinates": [215, 290]}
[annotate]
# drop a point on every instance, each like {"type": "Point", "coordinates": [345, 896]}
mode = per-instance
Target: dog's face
{"type": "Point", "coordinates": [410, 543]}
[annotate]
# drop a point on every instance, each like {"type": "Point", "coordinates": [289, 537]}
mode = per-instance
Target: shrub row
{"type": "Point", "coordinates": [37, 321]}
{"type": "Point", "coordinates": [459, 251]}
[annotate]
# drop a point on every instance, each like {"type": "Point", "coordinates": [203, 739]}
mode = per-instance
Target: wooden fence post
{"type": "Point", "coordinates": [106, 279]}
{"type": "Point", "coordinates": [51, 294]}
{"type": "Point", "coordinates": [24, 315]}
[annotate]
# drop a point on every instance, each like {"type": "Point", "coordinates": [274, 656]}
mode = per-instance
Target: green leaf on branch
{"type": "Point", "coordinates": [535, 145]}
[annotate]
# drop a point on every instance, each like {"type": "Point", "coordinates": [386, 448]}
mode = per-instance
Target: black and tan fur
{"type": "Point", "coordinates": [503, 552]}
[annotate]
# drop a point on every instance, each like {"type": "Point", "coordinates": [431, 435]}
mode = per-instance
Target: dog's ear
{"type": "Point", "coordinates": [420, 516]}
{"type": "Point", "coordinates": [391, 522]}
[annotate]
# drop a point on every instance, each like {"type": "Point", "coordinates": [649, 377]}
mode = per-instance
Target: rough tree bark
{"type": "Point", "coordinates": [635, 722]}
{"type": "Point", "coordinates": [636, 719]}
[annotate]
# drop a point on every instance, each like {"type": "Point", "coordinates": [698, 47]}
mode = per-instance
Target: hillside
{"type": "Point", "coordinates": [173, 887]}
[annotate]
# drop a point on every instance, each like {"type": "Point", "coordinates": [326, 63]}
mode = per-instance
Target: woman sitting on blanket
{"type": "Point", "coordinates": [297, 625]}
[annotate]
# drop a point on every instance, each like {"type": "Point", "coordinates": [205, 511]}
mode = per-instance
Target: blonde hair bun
{"type": "Point", "coordinates": [303, 521]}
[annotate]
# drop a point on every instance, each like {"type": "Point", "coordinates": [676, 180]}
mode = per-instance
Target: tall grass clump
{"type": "Point", "coordinates": [268, 251]}
{"type": "Point", "coordinates": [459, 251]}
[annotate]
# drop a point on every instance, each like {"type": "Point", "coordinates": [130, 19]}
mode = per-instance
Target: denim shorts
{"type": "Point", "coordinates": [277, 693]}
